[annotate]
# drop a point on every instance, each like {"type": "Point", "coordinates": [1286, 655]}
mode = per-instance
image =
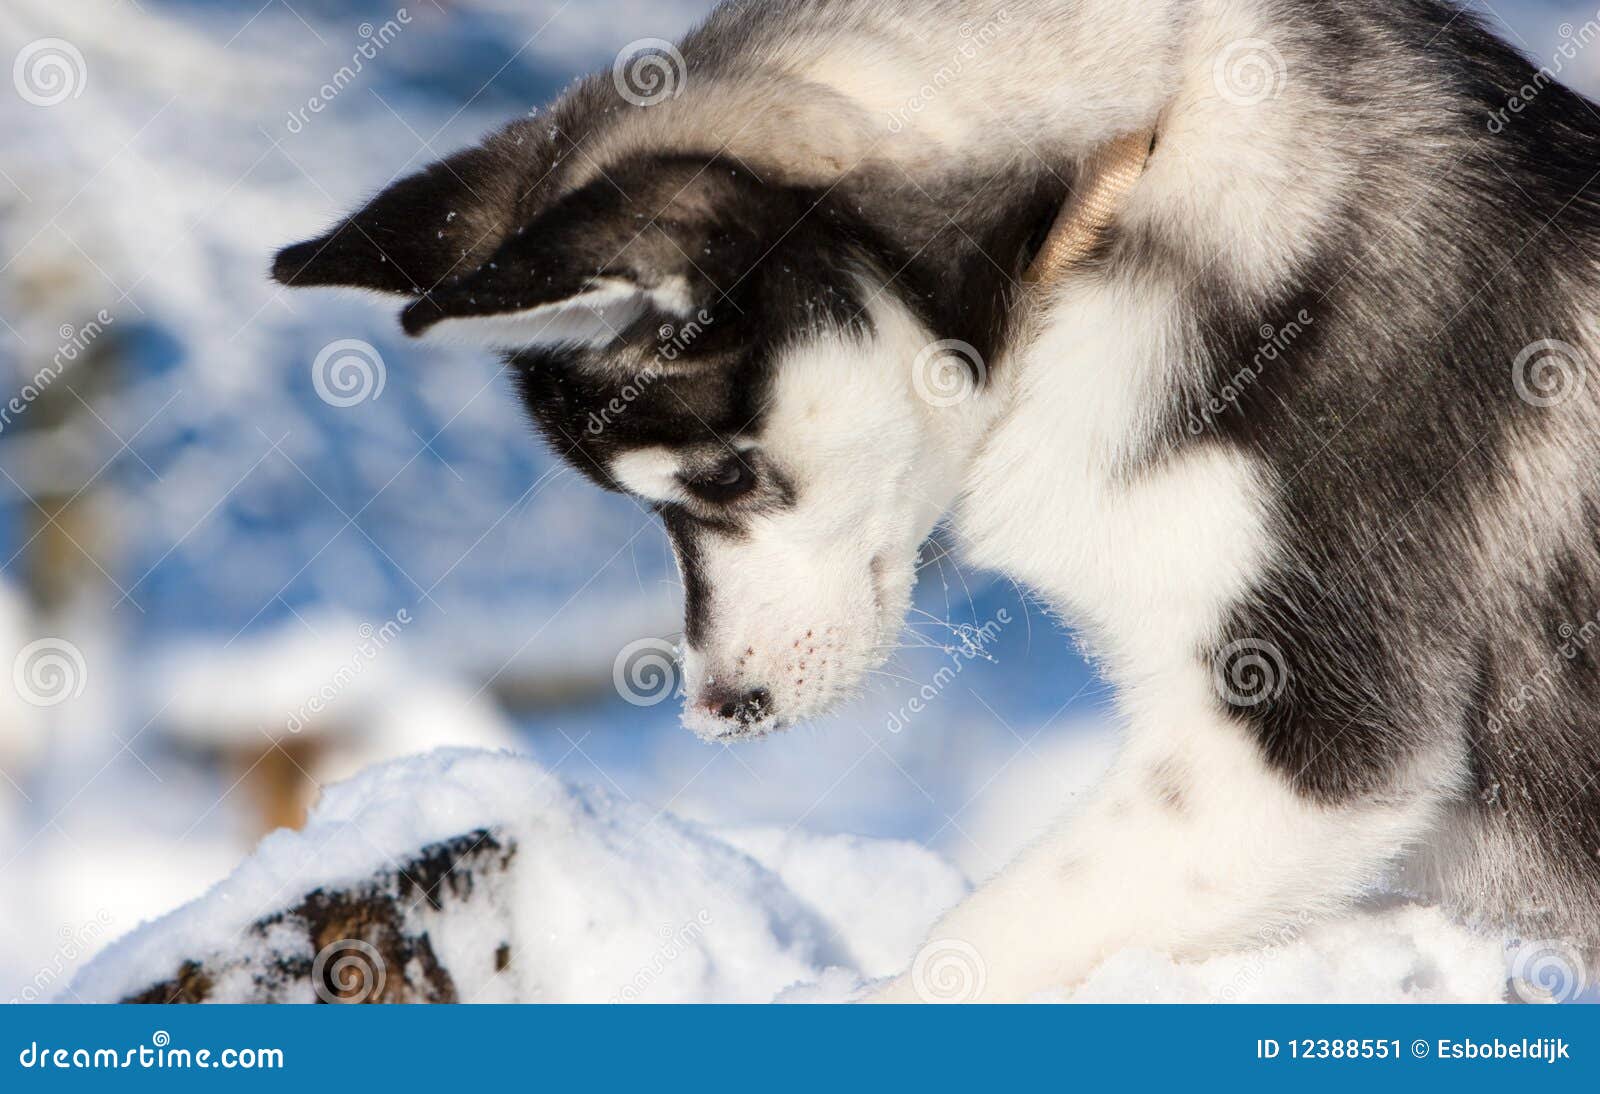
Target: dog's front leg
{"type": "Point", "coordinates": [1192, 845]}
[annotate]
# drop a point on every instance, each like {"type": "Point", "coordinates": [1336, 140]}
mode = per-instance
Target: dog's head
{"type": "Point", "coordinates": [793, 386]}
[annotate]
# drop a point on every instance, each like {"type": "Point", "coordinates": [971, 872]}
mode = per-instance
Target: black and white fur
{"type": "Point", "coordinates": [1285, 451]}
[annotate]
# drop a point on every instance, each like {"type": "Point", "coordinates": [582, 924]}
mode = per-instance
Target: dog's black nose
{"type": "Point", "coordinates": [752, 706]}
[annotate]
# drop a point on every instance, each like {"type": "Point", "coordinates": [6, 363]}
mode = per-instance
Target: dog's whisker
{"type": "Point", "coordinates": [893, 676]}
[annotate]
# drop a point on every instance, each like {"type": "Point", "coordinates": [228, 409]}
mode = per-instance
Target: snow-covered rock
{"type": "Point", "coordinates": [478, 876]}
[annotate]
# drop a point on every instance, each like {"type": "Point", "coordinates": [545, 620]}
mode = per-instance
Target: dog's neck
{"type": "Point", "coordinates": [1091, 209]}
{"type": "Point", "coordinates": [1103, 185]}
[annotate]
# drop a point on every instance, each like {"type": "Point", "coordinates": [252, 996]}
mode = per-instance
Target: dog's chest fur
{"type": "Point", "coordinates": [1142, 556]}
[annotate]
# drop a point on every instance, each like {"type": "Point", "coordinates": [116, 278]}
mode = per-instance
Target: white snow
{"type": "Point", "coordinates": [877, 897]}
{"type": "Point", "coordinates": [607, 899]}
{"type": "Point", "coordinates": [611, 900]}
{"type": "Point", "coordinates": [1403, 955]}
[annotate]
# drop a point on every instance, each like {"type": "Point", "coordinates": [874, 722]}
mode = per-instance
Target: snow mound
{"type": "Point", "coordinates": [481, 877]}
{"type": "Point", "coordinates": [877, 897]}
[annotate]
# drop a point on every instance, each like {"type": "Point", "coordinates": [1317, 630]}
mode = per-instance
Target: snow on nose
{"type": "Point", "coordinates": [745, 708]}
{"type": "Point", "coordinates": [720, 712]}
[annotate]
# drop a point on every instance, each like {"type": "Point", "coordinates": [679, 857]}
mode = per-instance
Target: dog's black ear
{"type": "Point", "coordinates": [445, 219]}
{"type": "Point", "coordinates": [664, 236]}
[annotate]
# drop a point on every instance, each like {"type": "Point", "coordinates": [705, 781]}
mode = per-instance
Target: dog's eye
{"type": "Point", "coordinates": [730, 479]}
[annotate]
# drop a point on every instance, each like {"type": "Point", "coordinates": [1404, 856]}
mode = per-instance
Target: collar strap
{"type": "Point", "coordinates": [1102, 189]}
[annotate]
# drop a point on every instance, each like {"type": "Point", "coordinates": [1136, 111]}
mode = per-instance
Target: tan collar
{"type": "Point", "coordinates": [1097, 198]}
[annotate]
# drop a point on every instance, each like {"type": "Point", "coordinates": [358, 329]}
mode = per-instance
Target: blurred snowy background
{"type": "Point", "coordinates": [243, 555]}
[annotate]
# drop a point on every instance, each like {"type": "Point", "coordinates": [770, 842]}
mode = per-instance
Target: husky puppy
{"type": "Point", "coordinates": [1302, 435]}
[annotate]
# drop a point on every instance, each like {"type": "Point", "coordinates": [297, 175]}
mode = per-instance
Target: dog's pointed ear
{"type": "Point", "coordinates": [445, 219]}
{"type": "Point", "coordinates": [663, 237]}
